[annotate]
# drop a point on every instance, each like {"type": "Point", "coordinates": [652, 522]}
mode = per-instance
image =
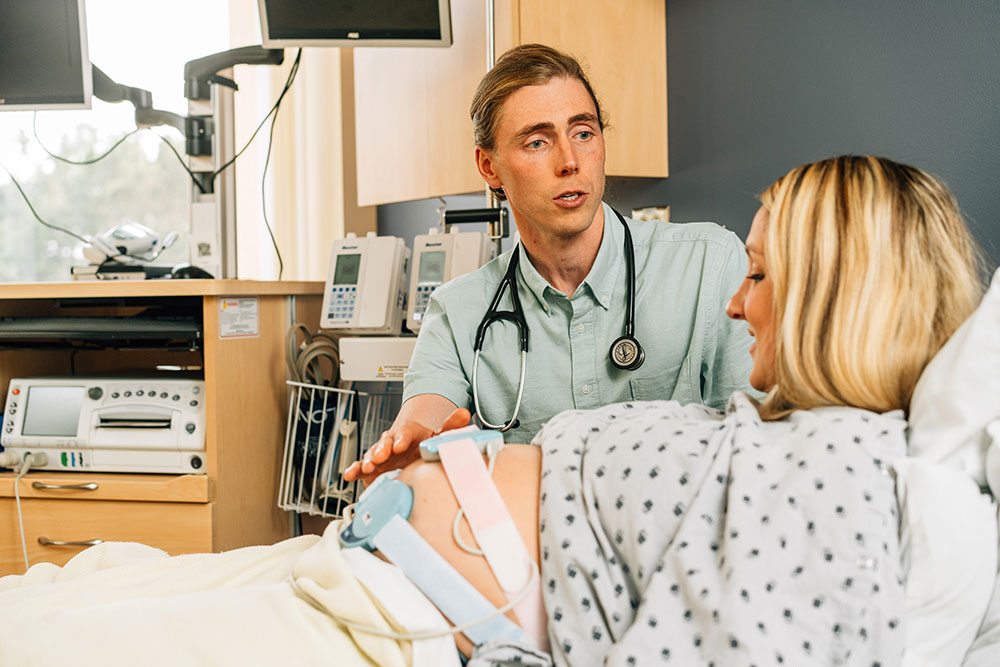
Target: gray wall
{"type": "Point", "coordinates": [757, 87]}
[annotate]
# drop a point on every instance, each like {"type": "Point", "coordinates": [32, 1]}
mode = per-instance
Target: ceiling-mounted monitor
{"type": "Point", "coordinates": [289, 23]}
{"type": "Point", "coordinates": [44, 62]}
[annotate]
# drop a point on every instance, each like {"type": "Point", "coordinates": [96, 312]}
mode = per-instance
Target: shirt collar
{"type": "Point", "coordinates": [603, 275]}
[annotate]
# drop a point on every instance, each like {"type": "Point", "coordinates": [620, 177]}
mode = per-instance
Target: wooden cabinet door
{"type": "Point", "coordinates": [177, 528]}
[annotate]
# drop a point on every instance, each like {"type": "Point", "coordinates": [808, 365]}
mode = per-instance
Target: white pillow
{"type": "Point", "coordinates": [993, 458]}
{"type": "Point", "coordinates": [959, 393]}
{"type": "Point", "coordinates": [985, 651]}
{"type": "Point", "coordinates": [948, 536]}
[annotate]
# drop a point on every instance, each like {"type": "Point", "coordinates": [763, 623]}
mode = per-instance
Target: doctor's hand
{"type": "Point", "coordinates": [400, 446]}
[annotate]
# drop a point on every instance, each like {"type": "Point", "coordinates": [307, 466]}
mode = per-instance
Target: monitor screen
{"type": "Point", "coordinates": [355, 23]}
{"type": "Point", "coordinates": [431, 269]}
{"type": "Point", "coordinates": [44, 62]}
{"type": "Point", "coordinates": [52, 411]}
{"type": "Point", "coordinates": [346, 270]}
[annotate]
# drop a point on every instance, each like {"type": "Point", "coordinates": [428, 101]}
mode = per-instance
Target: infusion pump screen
{"type": "Point", "coordinates": [431, 267]}
{"type": "Point", "coordinates": [346, 272]}
{"type": "Point", "coordinates": [52, 411]}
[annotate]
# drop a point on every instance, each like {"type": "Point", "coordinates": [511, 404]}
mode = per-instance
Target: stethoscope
{"type": "Point", "coordinates": [625, 352]}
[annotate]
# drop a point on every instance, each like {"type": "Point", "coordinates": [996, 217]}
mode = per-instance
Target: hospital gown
{"type": "Point", "coordinates": [681, 535]}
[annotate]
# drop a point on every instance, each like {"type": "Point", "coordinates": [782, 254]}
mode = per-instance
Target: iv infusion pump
{"type": "Point", "coordinates": [366, 285]}
{"type": "Point", "coordinates": [437, 258]}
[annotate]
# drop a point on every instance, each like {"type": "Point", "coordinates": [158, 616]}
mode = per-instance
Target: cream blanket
{"type": "Point", "coordinates": [123, 603]}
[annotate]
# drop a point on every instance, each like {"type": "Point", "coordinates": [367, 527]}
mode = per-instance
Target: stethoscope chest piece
{"type": "Point", "coordinates": [627, 354]}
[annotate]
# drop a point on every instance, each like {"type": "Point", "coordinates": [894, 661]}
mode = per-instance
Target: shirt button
{"type": "Point", "coordinates": [580, 328]}
{"type": "Point", "coordinates": [585, 389]}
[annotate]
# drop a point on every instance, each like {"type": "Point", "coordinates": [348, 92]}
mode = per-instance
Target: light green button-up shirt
{"type": "Point", "coordinates": [685, 274]}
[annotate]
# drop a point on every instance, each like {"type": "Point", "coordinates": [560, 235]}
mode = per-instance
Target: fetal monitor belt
{"type": "Point", "coordinates": [457, 599]}
{"type": "Point", "coordinates": [379, 522]}
{"type": "Point", "coordinates": [496, 533]}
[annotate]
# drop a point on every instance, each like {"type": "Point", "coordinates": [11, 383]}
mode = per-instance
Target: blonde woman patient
{"type": "Point", "coordinates": [765, 534]}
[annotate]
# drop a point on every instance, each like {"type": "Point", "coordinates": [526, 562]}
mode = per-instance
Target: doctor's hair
{"type": "Point", "coordinates": [873, 269]}
{"type": "Point", "coordinates": [525, 65]}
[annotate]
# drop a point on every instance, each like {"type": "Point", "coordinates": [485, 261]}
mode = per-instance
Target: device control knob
{"type": "Point", "coordinates": [371, 235]}
{"type": "Point", "coordinates": [196, 462]}
{"type": "Point", "coordinates": [95, 393]}
{"type": "Point", "coordinates": [351, 235]}
{"type": "Point", "coordinates": [434, 230]}
{"type": "Point", "coordinates": [189, 427]}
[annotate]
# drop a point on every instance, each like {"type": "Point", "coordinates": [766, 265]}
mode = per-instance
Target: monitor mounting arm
{"type": "Point", "coordinates": [209, 140]}
{"type": "Point", "coordinates": [193, 128]}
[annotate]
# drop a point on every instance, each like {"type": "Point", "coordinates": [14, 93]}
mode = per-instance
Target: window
{"type": "Point", "coordinates": [137, 44]}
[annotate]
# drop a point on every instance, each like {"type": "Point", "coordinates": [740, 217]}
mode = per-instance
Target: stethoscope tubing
{"type": "Point", "coordinates": [516, 315]}
{"type": "Point", "coordinates": [503, 428]}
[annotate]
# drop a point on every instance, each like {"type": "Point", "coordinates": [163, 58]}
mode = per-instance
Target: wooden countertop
{"type": "Point", "coordinates": [124, 288]}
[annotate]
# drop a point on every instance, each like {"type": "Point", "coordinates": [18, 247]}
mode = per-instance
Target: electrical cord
{"type": "Point", "coordinates": [35, 213]}
{"type": "Point", "coordinates": [304, 359]}
{"type": "Point", "coordinates": [9, 460]}
{"type": "Point", "coordinates": [34, 130]}
{"type": "Point", "coordinates": [270, 142]}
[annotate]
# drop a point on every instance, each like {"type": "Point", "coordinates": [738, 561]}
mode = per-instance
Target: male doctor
{"type": "Point", "coordinates": [539, 134]}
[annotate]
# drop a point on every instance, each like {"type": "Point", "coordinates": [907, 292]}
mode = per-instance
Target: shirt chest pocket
{"type": "Point", "coordinates": [675, 383]}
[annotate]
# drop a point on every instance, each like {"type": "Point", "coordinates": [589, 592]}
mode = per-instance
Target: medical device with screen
{"type": "Point", "coordinates": [366, 286]}
{"type": "Point", "coordinates": [348, 23]}
{"type": "Point", "coordinates": [438, 258]}
{"type": "Point", "coordinates": [44, 62]}
{"type": "Point", "coordinates": [107, 424]}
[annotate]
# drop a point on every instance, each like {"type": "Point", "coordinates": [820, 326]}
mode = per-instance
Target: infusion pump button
{"type": "Point", "coordinates": [95, 393]}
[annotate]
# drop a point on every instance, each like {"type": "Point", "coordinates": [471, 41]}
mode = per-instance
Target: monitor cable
{"type": "Point", "coordinates": [11, 460]}
{"type": "Point", "coordinates": [305, 360]}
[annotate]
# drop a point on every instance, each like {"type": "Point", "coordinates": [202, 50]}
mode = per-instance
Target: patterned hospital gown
{"type": "Point", "coordinates": [679, 535]}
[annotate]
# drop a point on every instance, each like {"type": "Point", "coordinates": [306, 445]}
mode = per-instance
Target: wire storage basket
{"type": "Point", "coordinates": [328, 429]}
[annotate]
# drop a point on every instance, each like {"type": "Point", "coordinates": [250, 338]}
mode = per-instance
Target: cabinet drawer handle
{"type": "Point", "coordinates": [56, 543]}
{"type": "Point", "coordinates": [89, 486]}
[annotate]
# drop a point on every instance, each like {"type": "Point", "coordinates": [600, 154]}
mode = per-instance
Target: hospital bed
{"type": "Point", "coordinates": [122, 603]}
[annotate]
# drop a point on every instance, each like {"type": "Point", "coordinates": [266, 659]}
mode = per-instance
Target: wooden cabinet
{"type": "Point", "coordinates": [234, 503]}
{"type": "Point", "coordinates": [414, 136]}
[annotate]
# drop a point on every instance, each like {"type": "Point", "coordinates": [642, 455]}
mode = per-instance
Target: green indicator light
{"type": "Point", "coordinates": [63, 458]}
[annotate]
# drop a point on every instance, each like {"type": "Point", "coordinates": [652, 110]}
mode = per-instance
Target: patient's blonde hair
{"type": "Point", "coordinates": [873, 269]}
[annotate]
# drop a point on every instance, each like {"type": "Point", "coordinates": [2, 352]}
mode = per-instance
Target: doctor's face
{"type": "Point", "coordinates": [754, 303]}
{"type": "Point", "coordinates": [548, 156]}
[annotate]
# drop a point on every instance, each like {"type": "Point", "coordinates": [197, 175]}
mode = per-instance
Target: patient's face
{"type": "Point", "coordinates": [753, 302]}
